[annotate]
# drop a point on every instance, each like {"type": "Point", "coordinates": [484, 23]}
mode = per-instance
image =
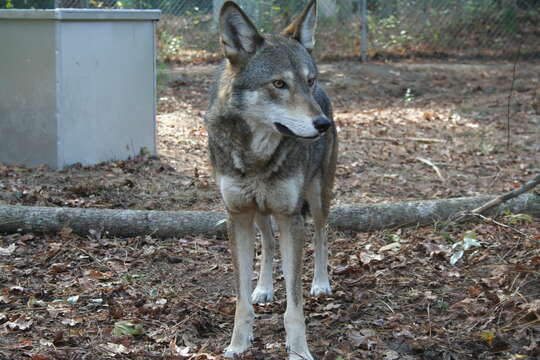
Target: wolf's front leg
{"type": "Point", "coordinates": [264, 291]}
{"type": "Point", "coordinates": [321, 282]}
{"type": "Point", "coordinates": [291, 243]}
{"type": "Point", "coordinates": [241, 239]}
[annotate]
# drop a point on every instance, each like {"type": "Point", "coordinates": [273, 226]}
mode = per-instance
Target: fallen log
{"type": "Point", "coordinates": [392, 215]}
{"type": "Point", "coordinates": [127, 223]}
{"type": "Point", "coordinates": [113, 222]}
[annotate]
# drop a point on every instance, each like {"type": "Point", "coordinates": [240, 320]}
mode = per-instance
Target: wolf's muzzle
{"type": "Point", "coordinates": [287, 132]}
{"type": "Point", "coordinates": [321, 123]}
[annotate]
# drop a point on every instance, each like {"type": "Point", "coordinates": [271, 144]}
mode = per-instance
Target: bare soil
{"type": "Point", "coordinates": [408, 130]}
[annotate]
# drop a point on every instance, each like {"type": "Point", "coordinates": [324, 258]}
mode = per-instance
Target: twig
{"type": "Point", "coordinates": [388, 306]}
{"type": "Point", "coordinates": [425, 140]}
{"type": "Point", "coordinates": [427, 162]}
{"type": "Point", "coordinates": [429, 318]}
{"type": "Point", "coordinates": [373, 138]}
{"type": "Point", "coordinates": [510, 99]}
{"type": "Point", "coordinates": [464, 215]}
{"type": "Point", "coordinates": [528, 236]}
{"type": "Point", "coordinates": [397, 141]}
{"type": "Point", "coordinates": [297, 354]}
{"type": "Point", "coordinates": [510, 328]}
{"type": "Point", "coordinates": [95, 258]}
{"type": "Point", "coordinates": [509, 195]}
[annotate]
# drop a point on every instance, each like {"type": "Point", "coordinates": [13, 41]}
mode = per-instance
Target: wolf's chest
{"type": "Point", "coordinates": [280, 196]}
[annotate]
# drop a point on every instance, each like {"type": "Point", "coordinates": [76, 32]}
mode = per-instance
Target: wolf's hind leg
{"type": "Point", "coordinates": [241, 239]}
{"type": "Point", "coordinates": [264, 291]}
{"type": "Point", "coordinates": [321, 281]}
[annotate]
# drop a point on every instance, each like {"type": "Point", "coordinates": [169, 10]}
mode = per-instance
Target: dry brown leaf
{"type": "Point", "coordinates": [392, 246]}
{"type": "Point", "coordinates": [114, 348]}
{"type": "Point", "coordinates": [22, 323]}
{"type": "Point", "coordinates": [7, 250]}
{"type": "Point", "coordinates": [436, 249]}
{"type": "Point", "coordinates": [367, 257]}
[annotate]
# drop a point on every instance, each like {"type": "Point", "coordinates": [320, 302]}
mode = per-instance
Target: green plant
{"type": "Point", "coordinates": [442, 305]}
{"type": "Point", "coordinates": [162, 78]}
{"type": "Point", "coordinates": [170, 44]}
{"type": "Point", "coordinates": [194, 15]}
{"type": "Point", "coordinates": [390, 238]}
{"type": "Point", "coordinates": [448, 238]}
{"type": "Point", "coordinates": [409, 96]}
{"type": "Point", "coordinates": [389, 33]}
{"type": "Point", "coordinates": [26, 4]}
{"type": "Point", "coordinates": [513, 219]}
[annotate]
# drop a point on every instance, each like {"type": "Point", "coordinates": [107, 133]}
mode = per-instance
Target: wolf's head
{"type": "Point", "coordinates": [272, 80]}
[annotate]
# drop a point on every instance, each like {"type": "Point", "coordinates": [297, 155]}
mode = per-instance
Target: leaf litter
{"type": "Point", "coordinates": [395, 293]}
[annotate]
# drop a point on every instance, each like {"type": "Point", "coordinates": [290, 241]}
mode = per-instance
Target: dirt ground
{"type": "Point", "coordinates": [408, 130]}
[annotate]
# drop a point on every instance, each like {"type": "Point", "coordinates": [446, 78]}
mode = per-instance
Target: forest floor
{"type": "Point", "coordinates": [407, 130]}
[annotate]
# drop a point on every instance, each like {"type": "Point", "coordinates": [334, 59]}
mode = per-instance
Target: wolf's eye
{"type": "Point", "coordinates": [280, 84]}
{"type": "Point", "coordinates": [311, 82]}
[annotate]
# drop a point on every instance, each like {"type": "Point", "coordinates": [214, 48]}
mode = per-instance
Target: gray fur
{"type": "Point", "coordinates": [262, 169]}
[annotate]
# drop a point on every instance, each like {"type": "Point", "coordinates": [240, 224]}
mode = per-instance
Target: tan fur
{"type": "Point", "coordinates": [293, 30]}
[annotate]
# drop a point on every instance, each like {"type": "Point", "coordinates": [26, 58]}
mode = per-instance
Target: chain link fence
{"type": "Point", "coordinates": [187, 30]}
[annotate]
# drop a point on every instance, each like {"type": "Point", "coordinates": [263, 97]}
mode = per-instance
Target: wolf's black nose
{"type": "Point", "coordinates": [321, 123]}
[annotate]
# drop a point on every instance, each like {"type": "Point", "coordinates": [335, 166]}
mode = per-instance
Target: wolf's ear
{"type": "Point", "coordinates": [239, 37]}
{"type": "Point", "coordinates": [303, 27]}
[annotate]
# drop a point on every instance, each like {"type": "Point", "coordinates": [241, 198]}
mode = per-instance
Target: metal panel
{"type": "Point", "coordinates": [107, 94]}
{"type": "Point", "coordinates": [27, 93]}
{"type": "Point", "coordinates": [80, 14]}
{"type": "Point", "coordinates": [76, 86]}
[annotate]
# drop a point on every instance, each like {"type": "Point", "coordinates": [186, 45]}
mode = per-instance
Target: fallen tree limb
{"type": "Point", "coordinates": [123, 223]}
{"type": "Point", "coordinates": [509, 195]}
{"type": "Point", "coordinates": [392, 215]}
{"type": "Point", "coordinates": [126, 223]}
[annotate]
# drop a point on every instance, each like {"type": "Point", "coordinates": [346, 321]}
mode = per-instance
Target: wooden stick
{"type": "Point", "coordinates": [427, 162]}
{"type": "Point", "coordinates": [487, 219]}
{"type": "Point", "coordinates": [397, 141]}
{"type": "Point", "coordinates": [509, 195]}
{"type": "Point", "coordinates": [425, 140]}
{"type": "Point", "coordinates": [374, 138]}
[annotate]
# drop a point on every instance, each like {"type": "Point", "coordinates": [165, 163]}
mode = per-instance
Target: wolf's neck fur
{"type": "Point", "coordinates": [264, 142]}
{"type": "Point", "coordinates": [264, 154]}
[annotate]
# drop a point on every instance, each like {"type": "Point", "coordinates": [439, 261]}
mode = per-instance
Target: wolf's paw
{"type": "Point", "coordinates": [321, 288]}
{"type": "Point", "coordinates": [305, 356]}
{"type": "Point", "coordinates": [241, 338]}
{"type": "Point", "coordinates": [262, 295]}
{"type": "Point", "coordinates": [237, 349]}
{"type": "Point", "coordinates": [300, 355]}
{"type": "Point", "coordinates": [231, 353]}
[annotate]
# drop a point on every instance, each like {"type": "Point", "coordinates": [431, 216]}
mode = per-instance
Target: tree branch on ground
{"type": "Point", "coordinates": [167, 224]}
{"type": "Point", "coordinates": [509, 195]}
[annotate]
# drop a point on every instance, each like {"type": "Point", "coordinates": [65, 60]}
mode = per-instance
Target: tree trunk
{"type": "Point", "coordinates": [126, 223]}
